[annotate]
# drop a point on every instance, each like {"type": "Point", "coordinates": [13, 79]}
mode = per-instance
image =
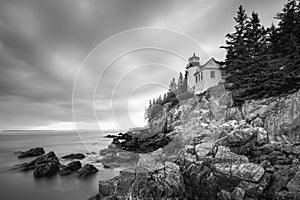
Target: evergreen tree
{"type": "Point", "coordinates": [236, 51]}
{"type": "Point", "coordinates": [255, 68]}
{"type": "Point", "coordinates": [165, 97]}
{"type": "Point", "coordinates": [285, 50]}
{"type": "Point", "coordinates": [264, 62]}
{"type": "Point", "coordinates": [173, 86]}
{"type": "Point", "coordinates": [180, 84]}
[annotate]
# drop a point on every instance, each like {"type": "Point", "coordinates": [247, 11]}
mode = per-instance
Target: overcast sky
{"type": "Point", "coordinates": [103, 54]}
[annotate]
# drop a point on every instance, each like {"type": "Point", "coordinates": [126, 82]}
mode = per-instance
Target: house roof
{"type": "Point", "coordinates": [211, 63]}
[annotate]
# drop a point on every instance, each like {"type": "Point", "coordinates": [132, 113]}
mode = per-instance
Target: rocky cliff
{"type": "Point", "coordinates": [205, 149]}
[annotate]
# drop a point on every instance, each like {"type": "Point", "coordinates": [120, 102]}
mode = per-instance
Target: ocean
{"type": "Point", "coordinates": [16, 185]}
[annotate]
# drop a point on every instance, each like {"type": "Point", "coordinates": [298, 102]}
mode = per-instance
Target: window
{"type": "Point", "coordinates": [212, 74]}
{"type": "Point", "coordinates": [196, 78]}
{"type": "Point", "coordinates": [201, 77]}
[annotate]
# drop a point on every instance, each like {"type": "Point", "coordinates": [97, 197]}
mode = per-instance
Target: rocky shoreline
{"type": "Point", "coordinates": [205, 149]}
{"type": "Point", "coordinates": [47, 164]}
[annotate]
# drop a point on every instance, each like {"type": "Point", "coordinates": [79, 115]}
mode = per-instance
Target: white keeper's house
{"type": "Point", "coordinates": [201, 77]}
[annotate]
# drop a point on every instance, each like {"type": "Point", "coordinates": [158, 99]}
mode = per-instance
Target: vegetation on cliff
{"type": "Point", "coordinates": [264, 62]}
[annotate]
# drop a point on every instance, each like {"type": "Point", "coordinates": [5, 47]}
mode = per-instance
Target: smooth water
{"type": "Point", "coordinates": [16, 185]}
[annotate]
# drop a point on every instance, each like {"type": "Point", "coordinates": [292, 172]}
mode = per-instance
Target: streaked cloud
{"type": "Point", "coordinates": [44, 43]}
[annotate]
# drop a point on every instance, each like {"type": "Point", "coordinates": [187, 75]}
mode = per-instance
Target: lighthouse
{"type": "Point", "coordinates": [192, 66]}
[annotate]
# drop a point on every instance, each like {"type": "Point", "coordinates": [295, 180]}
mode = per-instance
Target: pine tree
{"type": "Point", "coordinates": [237, 55]}
{"type": "Point", "coordinates": [285, 50]}
{"type": "Point", "coordinates": [173, 86]}
{"type": "Point", "coordinates": [180, 84]}
{"type": "Point", "coordinates": [255, 65]}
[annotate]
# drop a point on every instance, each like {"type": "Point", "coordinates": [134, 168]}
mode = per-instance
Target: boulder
{"type": "Point", "coordinates": [71, 167]}
{"type": "Point", "coordinates": [224, 155]}
{"type": "Point", "coordinates": [244, 171]}
{"type": "Point", "coordinates": [119, 158]}
{"type": "Point", "coordinates": [294, 184]}
{"type": "Point", "coordinates": [87, 170]}
{"type": "Point", "coordinates": [79, 156]}
{"type": "Point", "coordinates": [41, 160]}
{"type": "Point", "coordinates": [46, 170]}
{"type": "Point", "coordinates": [203, 149]}
{"type": "Point", "coordinates": [150, 162]}
{"type": "Point", "coordinates": [118, 186]}
{"type": "Point", "coordinates": [281, 116]}
{"type": "Point", "coordinates": [258, 122]}
{"type": "Point", "coordinates": [224, 195]}
{"type": "Point", "coordinates": [32, 152]}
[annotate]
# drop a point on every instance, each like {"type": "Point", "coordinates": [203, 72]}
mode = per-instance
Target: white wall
{"type": "Point", "coordinates": [191, 78]}
{"type": "Point", "coordinates": [207, 81]}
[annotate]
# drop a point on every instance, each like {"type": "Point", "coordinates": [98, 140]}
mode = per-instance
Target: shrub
{"type": "Point", "coordinates": [184, 96]}
{"type": "Point", "coordinates": [154, 111]}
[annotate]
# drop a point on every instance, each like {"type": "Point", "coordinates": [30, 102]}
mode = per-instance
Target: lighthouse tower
{"type": "Point", "coordinates": [193, 65]}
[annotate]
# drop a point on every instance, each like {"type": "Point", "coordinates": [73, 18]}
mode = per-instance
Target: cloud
{"type": "Point", "coordinates": [43, 45]}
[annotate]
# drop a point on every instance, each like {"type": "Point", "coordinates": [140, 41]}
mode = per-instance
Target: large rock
{"type": "Point", "coordinates": [150, 162]}
{"type": "Point", "coordinates": [47, 169]}
{"type": "Point", "coordinates": [71, 156]}
{"type": "Point", "coordinates": [244, 171]}
{"type": "Point", "coordinates": [224, 155]}
{"type": "Point", "coordinates": [71, 167]}
{"type": "Point", "coordinates": [39, 161]}
{"type": "Point", "coordinates": [119, 158]}
{"type": "Point", "coordinates": [161, 184]}
{"type": "Point", "coordinates": [294, 184]}
{"type": "Point", "coordinates": [32, 152]}
{"type": "Point", "coordinates": [118, 186]}
{"type": "Point", "coordinates": [281, 116]}
{"type": "Point", "coordinates": [87, 170]}
{"type": "Point", "coordinates": [203, 149]}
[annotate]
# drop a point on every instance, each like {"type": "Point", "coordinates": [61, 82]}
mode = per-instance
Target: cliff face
{"type": "Point", "coordinates": [215, 151]}
{"type": "Point", "coordinates": [280, 116]}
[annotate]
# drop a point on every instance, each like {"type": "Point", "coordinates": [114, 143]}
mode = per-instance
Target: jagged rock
{"type": "Point", "coordinates": [294, 184]}
{"type": "Point", "coordinates": [216, 160]}
{"type": "Point", "coordinates": [262, 136]}
{"type": "Point", "coordinates": [203, 149]}
{"type": "Point", "coordinates": [47, 169]}
{"type": "Point", "coordinates": [277, 188]}
{"type": "Point", "coordinates": [118, 186]}
{"type": "Point", "coordinates": [71, 167]}
{"type": "Point", "coordinates": [79, 156]}
{"type": "Point", "coordinates": [39, 161]}
{"type": "Point", "coordinates": [87, 170]}
{"type": "Point", "coordinates": [225, 155]}
{"type": "Point", "coordinates": [224, 195]}
{"type": "Point", "coordinates": [218, 112]}
{"type": "Point", "coordinates": [237, 137]}
{"type": "Point", "coordinates": [280, 116]}
{"type": "Point", "coordinates": [32, 152]}
{"type": "Point", "coordinates": [244, 171]}
{"type": "Point", "coordinates": [119, 158]}
{"type": "Point", "coordinates": [150, 162]}
{"type": "Point", "coordinates": [258, 122]}
{"type": "Point", "coordinates": [160, 184]}
{"type": "Point", "coordinates": [233, 113]}
{"type": "Point", "coordinates": [111, 136]}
